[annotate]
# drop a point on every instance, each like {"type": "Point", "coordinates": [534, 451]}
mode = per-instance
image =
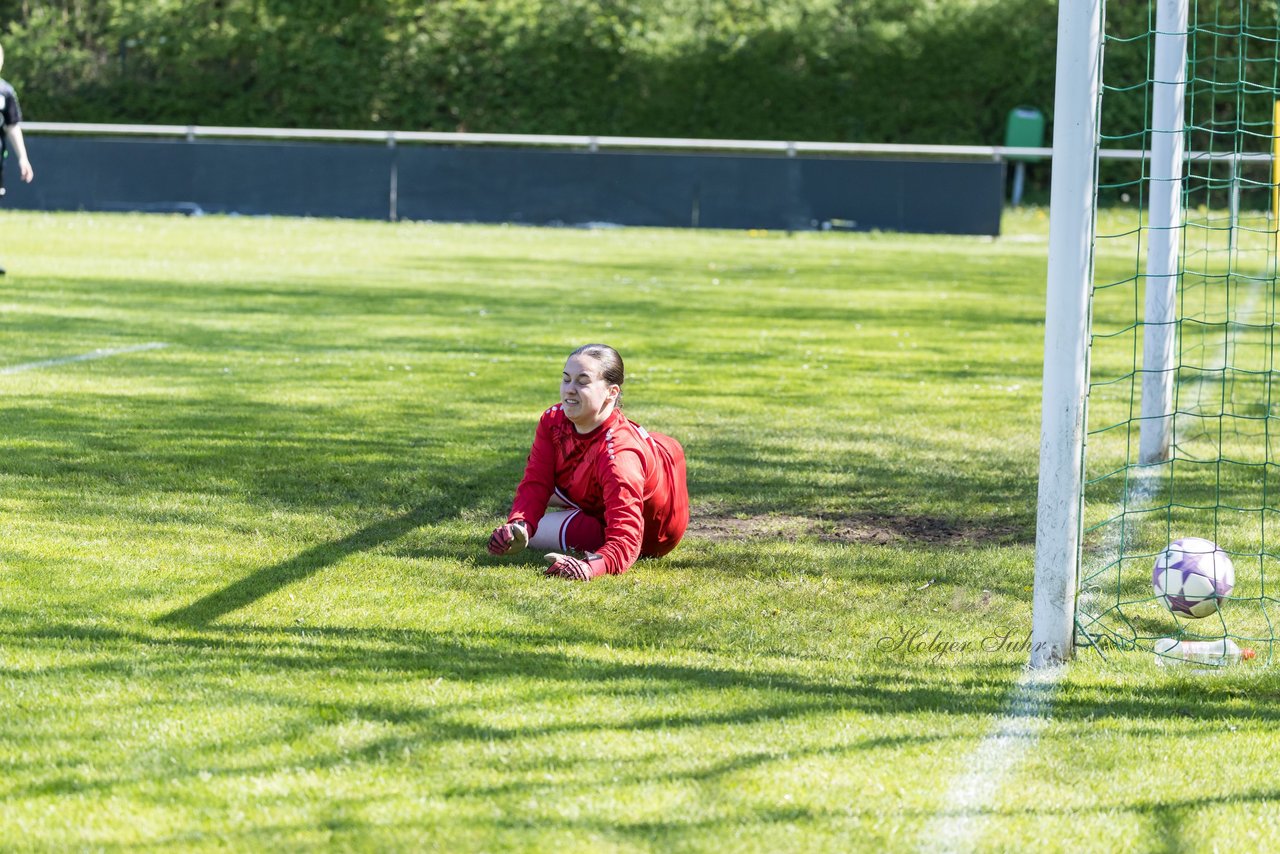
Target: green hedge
{"type": "Point", "coordinates": [922, 71]}
{"type": "Point", "coordinates": [926, 71]}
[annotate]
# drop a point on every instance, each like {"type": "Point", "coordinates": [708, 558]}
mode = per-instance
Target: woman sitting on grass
{"type": "Point", "coordinates": [596, 482]}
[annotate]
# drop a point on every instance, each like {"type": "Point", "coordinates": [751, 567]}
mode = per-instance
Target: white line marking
{"type": "Point", "coordinates": [83, 357]}
{"type": "Point", "coordinates": [1012, 736]}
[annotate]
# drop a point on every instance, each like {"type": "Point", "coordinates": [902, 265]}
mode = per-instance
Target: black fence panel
{"type": "Point", "coordinates": [519, 185]}
{"type": "Point", "coordinates": [541, 187]}
{"type": "Point", "coordinates": [288, 179]}
{"type": "Point", "coordinates": [699, 190]}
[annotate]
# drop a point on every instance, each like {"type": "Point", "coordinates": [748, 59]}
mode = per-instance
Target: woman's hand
{"type": "Point", "coordinates": [508, 539]}
{"type": "Point", "coordinates": [572, 568]}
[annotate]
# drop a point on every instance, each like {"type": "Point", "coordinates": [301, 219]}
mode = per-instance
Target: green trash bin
{"type": "Point", "coordinates": [1023, 129]}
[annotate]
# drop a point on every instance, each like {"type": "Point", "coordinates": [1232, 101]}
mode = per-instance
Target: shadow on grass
{"type": "Point", "coordinates": [1170, 818]}
{"type": "Point", "coordinates": [888, 687]}
{"type": "Point", "coordinates": [332, 676]}
{"type": "Point", "coordinates": [312, 457]}
{"type": "Point", "coordinates": [1174, 824]}
{"type": "Point", "coordinates": [269, 579]}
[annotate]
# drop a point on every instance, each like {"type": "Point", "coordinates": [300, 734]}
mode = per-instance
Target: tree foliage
{"type": "Point", "coordinates": [925, 71]}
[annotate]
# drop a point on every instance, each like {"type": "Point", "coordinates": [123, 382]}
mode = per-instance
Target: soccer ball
{"type": "Point", "coordinates": [1192, 576]}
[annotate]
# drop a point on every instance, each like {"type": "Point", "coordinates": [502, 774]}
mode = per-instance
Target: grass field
{"type": "Point", "coordinates": [245, 603]}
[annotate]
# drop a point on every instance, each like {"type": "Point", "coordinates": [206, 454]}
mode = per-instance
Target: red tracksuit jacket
{"type": "Point", "coordinates": [631, 479]}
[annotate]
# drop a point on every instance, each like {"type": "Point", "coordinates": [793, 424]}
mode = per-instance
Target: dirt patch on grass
{"type": "Point", "coordinates": [749, 527]}
{"type": "Point", "coordinates": [918, 529]}
{"type": "Point", "coordinates": [873, 528]}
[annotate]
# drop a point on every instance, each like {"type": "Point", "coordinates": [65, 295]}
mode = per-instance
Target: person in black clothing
{"type": "Point", "coordinates": [11, 136]}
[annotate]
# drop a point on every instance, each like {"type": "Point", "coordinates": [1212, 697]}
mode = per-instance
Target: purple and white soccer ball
{"type": "Point", "coordinates": [1192, 576]}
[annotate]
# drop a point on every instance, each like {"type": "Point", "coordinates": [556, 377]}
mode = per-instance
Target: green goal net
{"type": "Point", "coordinates": [1216, 474]}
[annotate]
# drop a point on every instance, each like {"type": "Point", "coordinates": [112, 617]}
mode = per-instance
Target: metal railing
{"type": "Point", "coordinates": [791, 148]}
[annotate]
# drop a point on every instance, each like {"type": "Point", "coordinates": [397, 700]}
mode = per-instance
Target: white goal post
{"type": "Point", "coordinates": [1072, 201]}
{"type": "Point", "coordinates": [1168, 95]}
{"type": "Point", "coordinates": [1073, 215]}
